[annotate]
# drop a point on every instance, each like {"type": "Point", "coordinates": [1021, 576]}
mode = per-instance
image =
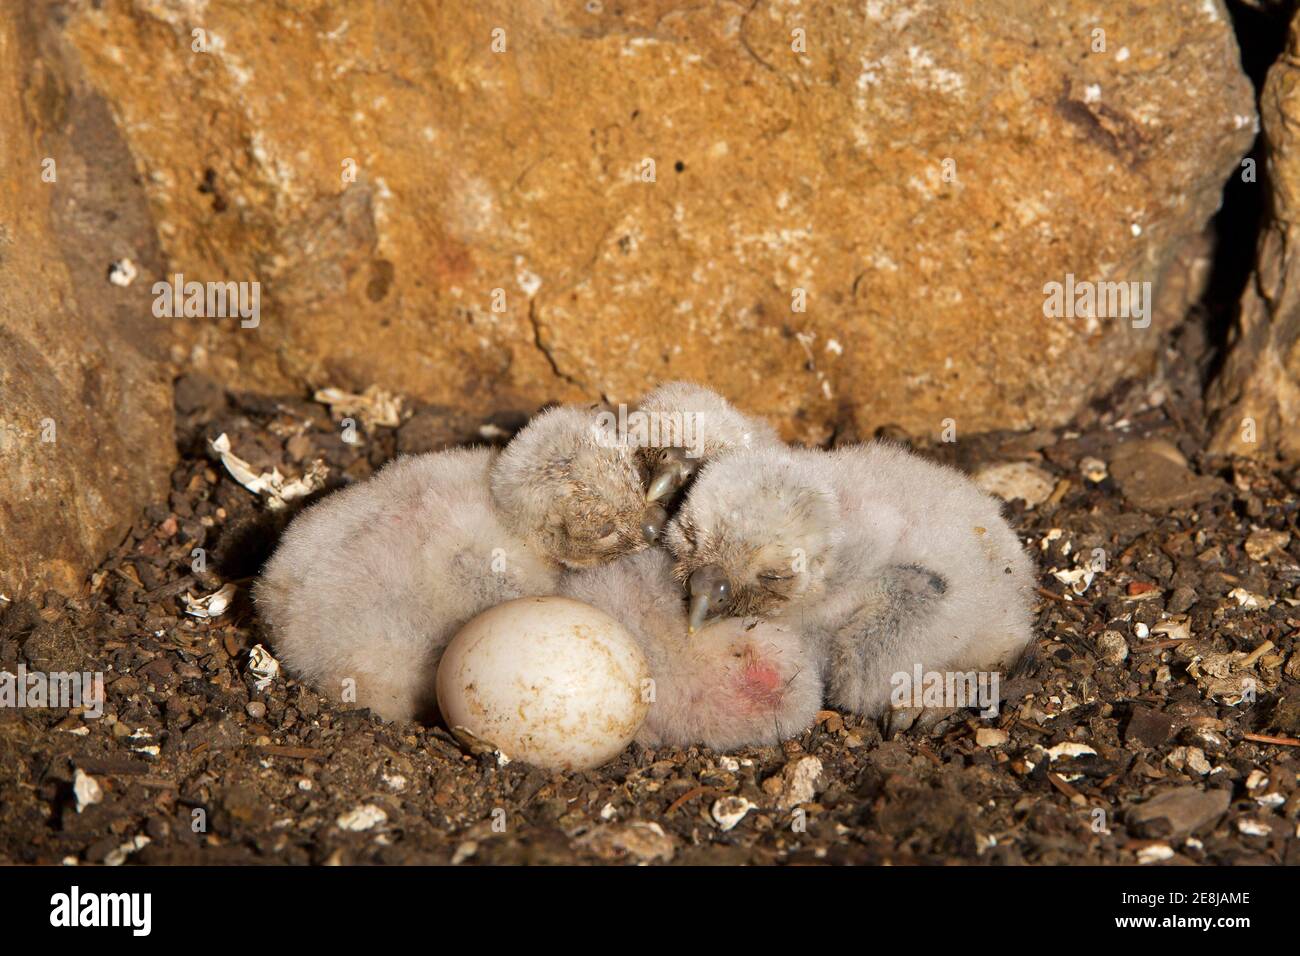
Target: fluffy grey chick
{"type": "Point", "coordinates": [574, 488]}
{"type": "Point", "coordinates": [886, 560]}
{"type": "Point", "coordinates": [734, 683]}
{"type": "Point", "coordinates": [367, 586]}
{"type": "Point", "coordinates": [689, 425]}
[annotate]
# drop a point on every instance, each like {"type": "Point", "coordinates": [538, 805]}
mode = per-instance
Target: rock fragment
{"type": "Point", "coordinates": [797, 783]}
{"type": "Point", "coordinates": [1019, 479]}
{"type": "Point", "coordinates": [1154, 476]}
{"type": "Point", "coordinates": [1178, 813]}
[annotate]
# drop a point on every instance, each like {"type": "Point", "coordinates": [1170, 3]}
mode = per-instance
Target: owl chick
{"type": "Point", "coordinates": [687, 426]}
{"type": "Point", "coordinates": [574, 488]}
{"type": "Point", "coordinates": [367, 586]}
{"type": "Point", "coordinates": [734, 683]}
{"type": "Point", "coordinates": [885, 560]}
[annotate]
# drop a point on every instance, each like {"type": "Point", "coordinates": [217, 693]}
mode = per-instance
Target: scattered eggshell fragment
{"type": "Point", "coordinates": [118, 856]}
{"type": "Point", "coordinates": [1156, 853]}
{"type": "Point", "coordinates": [275, 486]}
{"type": "Point", "coordinates": [548, 680]}
{"type": "Point", "coordinates": [122, 272]}
{"type": "Point", "coordinates": [262, 666]}
{"type": "Point", "coordinates": [1070, 749]}
{"type": "Point", "coordinates": [374, 406]}
{"type": "Point", "coordinates": [211, 605]}
{"type": "Point", "coordinates": [1250, 600]}
{"type": "Point", "coordinates": [364, 817]}
{"type": "Point", "coordinates": [1077, 579]}
{"type": "Point", "coordinates": [728, 811]}
{"type": "Point", "coordinates": [86, 790]}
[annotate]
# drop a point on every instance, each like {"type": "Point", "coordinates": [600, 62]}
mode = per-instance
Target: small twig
{"type": "Point", "coordinates": [1264, 739]}
{"type": "Point", "coordinates": [297, 753]}
{"type": "Point", "coordinates": [689, 795]}
{"type": "Point", "coordinates": [1060, 491]}
{"type": "Point", "coordinates": [1158, 645]}
{"type": "Point", "coordinates": [1057, 782]}
{"type": "Point", "coordinates": [1062, 598]}
{"type": "Point", "coordinates": [164, 591]}
{"type": "Point", "coordinates": [1256, 654]}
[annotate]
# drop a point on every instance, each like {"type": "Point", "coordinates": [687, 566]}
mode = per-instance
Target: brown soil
{"type": "Point", "coordinates": [188, 739]}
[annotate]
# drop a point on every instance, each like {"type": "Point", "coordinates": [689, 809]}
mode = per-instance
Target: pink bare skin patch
{"type": "Point", "coordinates": [760, 684]}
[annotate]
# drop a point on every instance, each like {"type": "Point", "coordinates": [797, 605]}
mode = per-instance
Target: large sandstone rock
{"type": "Point", "coordinates": [85, 398]}
{"type": "Point", "coordinates": [1257, 394]}
{"type": "Point", "coordinates": [918, 170]}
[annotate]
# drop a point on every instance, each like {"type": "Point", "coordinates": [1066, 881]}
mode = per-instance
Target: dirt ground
{"type": "Point", "coordinates": [1135, 692]}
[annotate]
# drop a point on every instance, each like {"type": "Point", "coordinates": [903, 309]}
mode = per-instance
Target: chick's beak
{"type": "Point", "coordinates": [699, 611]}
{"type": "Point", "coordinates": [674, 470]}
{"type": "Point", "coordinates": [652, 522]}
{"type": "Point", "coordinates": [662, 483]}
{"type": "Point", "coordinates": [710, 592]}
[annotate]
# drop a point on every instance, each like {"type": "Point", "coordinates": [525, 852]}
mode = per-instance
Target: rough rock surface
{"type": "Point", "coordinates": [85, 403]}
{"type": "Point", "coordinates": [918, 170]}
{"type": "Point", "coordinates": [1179, 812]}
{"type": "Point", "coordinates": [1257, 395]}
{"type": "Point", "coordinates": [1154, 476]}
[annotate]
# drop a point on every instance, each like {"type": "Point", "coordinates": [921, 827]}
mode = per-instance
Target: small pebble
{"type": "Point", "coordinates": [1112, 647]}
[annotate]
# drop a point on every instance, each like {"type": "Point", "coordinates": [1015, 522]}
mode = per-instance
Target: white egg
{"type": "Point", "coordinates": [547, 680]}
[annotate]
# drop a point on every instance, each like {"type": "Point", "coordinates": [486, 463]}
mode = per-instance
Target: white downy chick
{"type": "Point", "coordinates": [569, 484]}
{"type": "Point", "coordinates": [689, 425]}
{"type": "Point", "coordinates": [732, 684]}
{"type": "Point", "coordinates": [885, 559]}
{"type": "Point", "coordinates": [367, 586]}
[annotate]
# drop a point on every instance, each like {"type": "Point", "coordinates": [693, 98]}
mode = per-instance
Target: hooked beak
{"type": "Point", "coordinates": [699, 611]}
{"type": "Point", "coordinates": [664, 480]}
{"type": "Point", "coordinates": [652, 522]}
{"type": "Point", "coordinates": [710, 591]}
{"type": "Point", "coordinates": [675, 469]}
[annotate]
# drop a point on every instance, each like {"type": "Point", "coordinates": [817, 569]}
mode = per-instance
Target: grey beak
{"type": "Point", "coordinates": [652, 522]}
{"type": "Point", "coordinates": [699, 611]}
{"type": "Point", "coordinates": [662, 484]}
{"type": "Point", "coordinates": [710, 591]}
